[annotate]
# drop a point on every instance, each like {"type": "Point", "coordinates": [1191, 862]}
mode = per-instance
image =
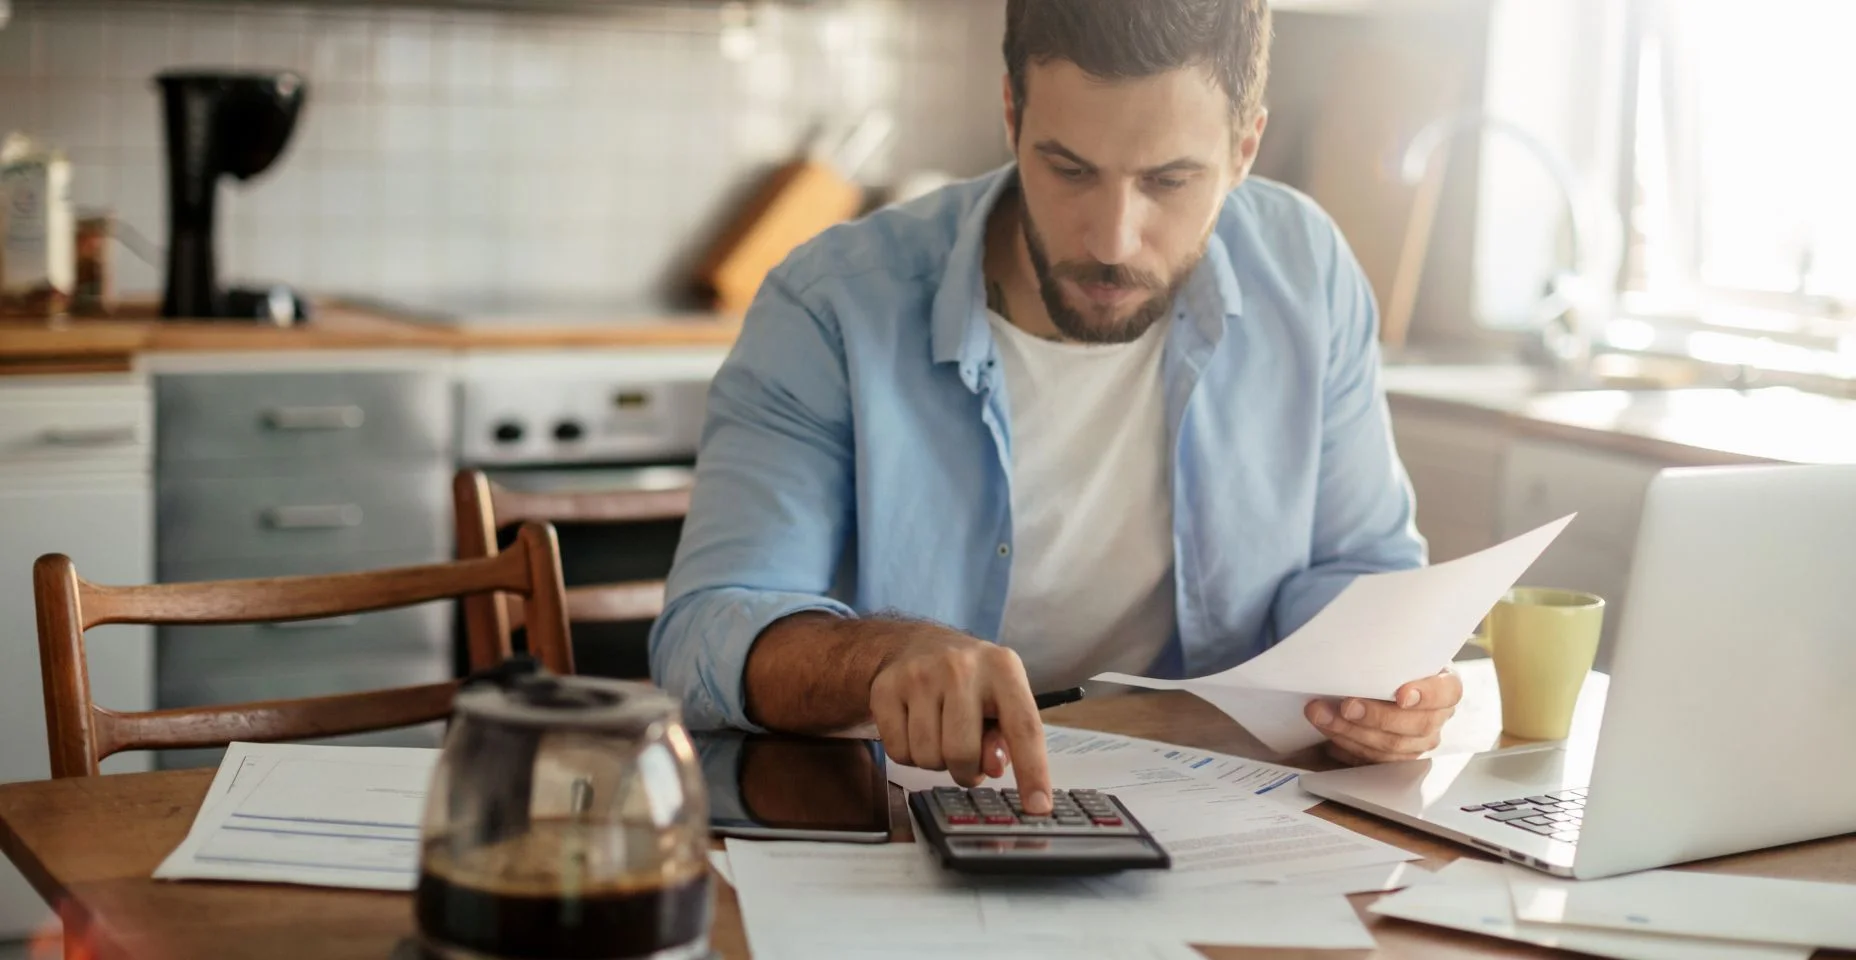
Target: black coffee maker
{"type": "Point", "coordinates": [221, 123]}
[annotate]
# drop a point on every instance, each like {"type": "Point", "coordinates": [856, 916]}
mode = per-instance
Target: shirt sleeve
{"type": "Point", "coordinates": [1363, 501]}
{"type": "Point", "coordinates": [771, 510]}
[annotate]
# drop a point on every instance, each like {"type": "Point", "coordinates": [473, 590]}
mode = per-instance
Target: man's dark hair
{"type": "Point", "coordinates": [1131, 39]}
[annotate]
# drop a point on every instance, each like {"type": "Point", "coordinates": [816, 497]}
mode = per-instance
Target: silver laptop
{"type": "Point", "coordinates": [1731, 720]}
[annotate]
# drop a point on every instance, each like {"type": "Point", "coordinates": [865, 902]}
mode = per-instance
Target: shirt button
{"type": "Point", "coordinates": [1005, 549]}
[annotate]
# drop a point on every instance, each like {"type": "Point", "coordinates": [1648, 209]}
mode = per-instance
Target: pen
{"type": "Point", "coordinates": [1058, 698]}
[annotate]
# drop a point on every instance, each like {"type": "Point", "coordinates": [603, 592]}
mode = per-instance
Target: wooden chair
{"type": "Point", "coordinates": [484, 508]}
{"type": "Point", "coordinates": [81, 733]}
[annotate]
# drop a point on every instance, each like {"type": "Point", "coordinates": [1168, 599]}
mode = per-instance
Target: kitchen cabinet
{"type": "Point", "coordinates": [303, 471]}
{"type": "Point", "coordinates": [74, 479]}
{"type": "Point", "coordinates": [1455, 464]}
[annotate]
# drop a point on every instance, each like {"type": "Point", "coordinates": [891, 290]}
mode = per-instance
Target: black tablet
{"type": "Point", "coordinates": [777, 787]}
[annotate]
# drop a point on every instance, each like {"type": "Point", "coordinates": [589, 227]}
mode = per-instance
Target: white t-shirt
{"type": "Point", "coordinates": [1092, 506]}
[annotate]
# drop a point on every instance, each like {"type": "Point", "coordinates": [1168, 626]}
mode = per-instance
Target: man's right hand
{"type": "Point", "coordinates": [947, 701]}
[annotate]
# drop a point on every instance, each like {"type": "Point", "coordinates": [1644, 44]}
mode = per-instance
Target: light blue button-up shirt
{"type": "Point", "coordinates": [857, 454]}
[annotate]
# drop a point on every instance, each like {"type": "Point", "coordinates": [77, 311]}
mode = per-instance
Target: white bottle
{"type": "Point", "coordinates": [38, 231]}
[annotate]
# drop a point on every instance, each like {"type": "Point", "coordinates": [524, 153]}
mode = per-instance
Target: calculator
{"type": "Point", "coordinates": [983, 830]}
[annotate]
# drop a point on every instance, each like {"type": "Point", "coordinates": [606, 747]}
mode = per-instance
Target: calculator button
{"type": "Point", "coordinates": [999, 818]}
{"type": "Point", "coordinates": [1108, 821]}
{"type": "Point", "coordinates": [962, 819]}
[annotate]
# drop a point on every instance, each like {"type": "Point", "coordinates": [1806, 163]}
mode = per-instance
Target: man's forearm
{"type": "Point", "coordinates": [811, 672]}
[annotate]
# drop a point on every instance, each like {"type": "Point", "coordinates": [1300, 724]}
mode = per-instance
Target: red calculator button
{"type": "Point", "coordinates": [1108, 821]}
{"type": "Point", "coordinates": [962, 818]}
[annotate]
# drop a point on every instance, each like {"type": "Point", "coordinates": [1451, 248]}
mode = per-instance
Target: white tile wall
{"type": "Point", "coordinates": [447, 152]}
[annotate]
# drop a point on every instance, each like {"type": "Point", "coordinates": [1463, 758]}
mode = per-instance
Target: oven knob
{"type": "Point", "coordinates": [508, 432]}
{"type": "Point", "coordinates": [567, 431]}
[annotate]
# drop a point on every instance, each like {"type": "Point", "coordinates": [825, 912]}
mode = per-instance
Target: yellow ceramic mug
{"type": "Point", "coordinates": [1543, 643]}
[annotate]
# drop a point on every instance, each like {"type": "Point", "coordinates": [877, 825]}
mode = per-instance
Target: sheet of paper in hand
{"type": "Point", "coordinates": [1381, 632]}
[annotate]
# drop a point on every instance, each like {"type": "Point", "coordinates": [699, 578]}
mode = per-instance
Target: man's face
{"type": "Point", "coordinates": [1122, 183]}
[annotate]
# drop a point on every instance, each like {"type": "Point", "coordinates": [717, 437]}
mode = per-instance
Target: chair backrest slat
{"type": "Point", "coordinates": [80, 733]}
{"type": "Point", "coordinates": [483, 508]}
{"type": "Point", "coordinates": [293, 598]}
{"type": "Point", "coordinates": [275, 720]}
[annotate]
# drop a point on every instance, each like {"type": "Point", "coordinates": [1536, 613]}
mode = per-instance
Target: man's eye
{"type": "Point", "coordinates": [1167, 183]}
{"type": "Point", "coordinates": [1071, 173]}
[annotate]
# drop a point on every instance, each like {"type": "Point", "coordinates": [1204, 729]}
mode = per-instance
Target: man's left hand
{"type": "Point", "coordinates": [1378, 731]}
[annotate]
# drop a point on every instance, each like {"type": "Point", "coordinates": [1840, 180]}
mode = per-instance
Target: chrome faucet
{"type": "Point", "coordinates": [1581, 295]}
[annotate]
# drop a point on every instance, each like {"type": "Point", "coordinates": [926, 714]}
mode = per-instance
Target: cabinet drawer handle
{"type": "Point", "coordinates": [315, 418]}
{"type": "Point", "coordinates": [330, 623]}
{"type": "Point", "coordinates": [117, 436]}
{"type": "Point", "coordinates": [331, 517]}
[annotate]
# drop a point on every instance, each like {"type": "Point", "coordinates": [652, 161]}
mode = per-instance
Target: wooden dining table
{"type": "Point", "coordinates": [89, 845]}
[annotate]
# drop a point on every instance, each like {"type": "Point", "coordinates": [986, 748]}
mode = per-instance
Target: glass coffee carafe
{"type": "Point", "coordinates": [567, 820]}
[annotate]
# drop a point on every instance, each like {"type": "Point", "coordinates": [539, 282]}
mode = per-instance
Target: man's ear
{"type": "Point", "coordinates": [1247, 144]}
{"type": "Point", "coordinates": [1011, 116]}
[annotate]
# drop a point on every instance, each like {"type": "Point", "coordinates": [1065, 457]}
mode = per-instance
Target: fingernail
{"type": "Point", "coordinates": [1409, 698]}
{"type": "Point", "coordinates": [1038, 799]}
{"type": "Point", "coordinates": [1353, 710]}
{"type": "Point", "coordinates": [1323, 716]}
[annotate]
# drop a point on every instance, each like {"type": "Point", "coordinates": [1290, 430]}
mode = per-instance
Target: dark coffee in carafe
{"type": "Point", "coordinates": [493, 908]}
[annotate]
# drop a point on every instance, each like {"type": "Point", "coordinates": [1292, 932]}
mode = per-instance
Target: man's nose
{"type": "Point", "coordinates": [1114, 235]}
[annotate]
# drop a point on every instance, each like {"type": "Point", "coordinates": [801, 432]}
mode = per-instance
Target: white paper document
{"type": "Point", "coordinates": [1259, 918]}
{"type": "Point", "coordinates": [316, 815]}
{"type": "Point", "coordinates": [1473, 895]}
{"type": "Point", "coordinates": [1107, 761]}
{"type": "Point", "coordinates": [1690, 904]}
{"type": "Point", "coordinates": [1218, 837]}
{"type": "Point", "coordinates": [1383, 631]}
{"type": "Point", "coordinates": [718, 861]}
{"type": "Point", "coordinates": [956, 947]}
{"type": "Point", "coordinates": [823, 897]}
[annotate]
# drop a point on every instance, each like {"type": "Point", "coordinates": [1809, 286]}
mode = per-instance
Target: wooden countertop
{"type": "Point", "coordinates": [1685, 427]}
{"type": "Point", "coordinates": [82, 344]}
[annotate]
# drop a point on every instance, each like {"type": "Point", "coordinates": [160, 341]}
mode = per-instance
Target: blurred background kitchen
{"type": "Point", "coordinates": [1606, 237]}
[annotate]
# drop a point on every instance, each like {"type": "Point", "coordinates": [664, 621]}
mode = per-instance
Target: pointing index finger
{"type": "Point", "coordinates": [1024, 742]}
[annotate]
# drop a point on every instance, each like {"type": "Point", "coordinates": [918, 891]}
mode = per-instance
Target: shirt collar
{"type": "Point", "coordinates": [960, 333]}
{"type": "Point", "coordinates": [958, 321]}
{"type": "Point", "coordinates": [1212, 295]}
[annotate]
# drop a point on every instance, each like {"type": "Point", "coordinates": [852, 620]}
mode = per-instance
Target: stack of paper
{"type": "Point", "coordinates": [1656, 915]}
{"type": "Point", "coordinates": [1250, 868]}
{"type": "Point", "coordinates": [1383, 631]}
{"type": "Point", "coordinates": [317, 815]}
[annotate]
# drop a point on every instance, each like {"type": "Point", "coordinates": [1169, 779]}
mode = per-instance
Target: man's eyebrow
{"type": "Point", "coordinates": [1182, 165]}
{"type": "Point", "coordinates": [1053, 148]}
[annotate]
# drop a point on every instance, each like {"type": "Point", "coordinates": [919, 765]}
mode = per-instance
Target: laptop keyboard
{"type": "Point", "coordinates": [1555, 815]}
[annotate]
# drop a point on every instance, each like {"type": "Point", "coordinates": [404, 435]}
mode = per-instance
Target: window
{"type": "Point", "coordinates": [1742, 216]}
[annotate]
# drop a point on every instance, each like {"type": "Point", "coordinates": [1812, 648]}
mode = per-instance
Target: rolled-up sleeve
{"type": "Point", "coordinates": [1363, 501]}
{"type": "Point", "coordinates": [772, 507]}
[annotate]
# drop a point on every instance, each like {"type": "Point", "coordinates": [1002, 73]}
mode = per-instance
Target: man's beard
{"type": "Point", "coordinates": [1073, 323]}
